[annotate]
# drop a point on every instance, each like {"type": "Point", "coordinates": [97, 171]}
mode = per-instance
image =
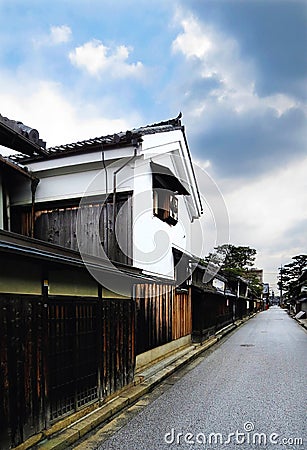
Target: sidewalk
{"type": "Point", "coordinates": [144, 382]}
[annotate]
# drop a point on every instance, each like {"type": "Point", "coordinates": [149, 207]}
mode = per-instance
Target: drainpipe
{"type": "Point", "coordinates": [8, 211]}
{"type": "Point", "coordinates": [106, 206]}
{"type": "Point", "coordinates": [34, 184]}
{"type": "Point", "coordinates": [114, 185]}
{"type": "Point", "coordinates": [1, 205]}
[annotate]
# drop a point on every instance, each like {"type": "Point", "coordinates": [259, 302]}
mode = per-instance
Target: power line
{"type": "Point", "coordinates": [270, 273]}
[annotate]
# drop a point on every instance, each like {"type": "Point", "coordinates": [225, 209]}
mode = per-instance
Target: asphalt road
{"type": "Point", "coordinates": [248, 392]}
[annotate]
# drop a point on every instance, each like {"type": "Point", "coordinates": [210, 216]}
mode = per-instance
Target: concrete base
{"type": "Point", "coordinates": [154, 355]}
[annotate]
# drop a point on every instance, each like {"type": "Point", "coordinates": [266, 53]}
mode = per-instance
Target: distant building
{"type": "Point", "coordinates": [302, 300]}
{"type": "Point", "coordinates": [258, 273]}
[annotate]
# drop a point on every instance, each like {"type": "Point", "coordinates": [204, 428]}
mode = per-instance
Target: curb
{"type": "Point", "coordinates": [75, 431]}
{"type": "Point", "coordinates": [301, 323]}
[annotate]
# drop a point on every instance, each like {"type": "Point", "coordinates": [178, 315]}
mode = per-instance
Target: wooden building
{"type": "Point", "coordinates": [218, 301]}
{"type": "Point", "coordinates": [86, 294]}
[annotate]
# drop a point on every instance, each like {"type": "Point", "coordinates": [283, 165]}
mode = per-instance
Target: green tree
{"type": "Point", "coordinates": [236, 261]}
{"type": "Point", "coordinates": [289, 275]}
{"type": "Point", "coordinates": [233, 259]}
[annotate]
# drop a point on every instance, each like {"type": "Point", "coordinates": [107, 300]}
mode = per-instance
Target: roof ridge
{"type": "Point", "coordinates": [175, 122]}
{"type": "Point", "coordinates": [123, 137]}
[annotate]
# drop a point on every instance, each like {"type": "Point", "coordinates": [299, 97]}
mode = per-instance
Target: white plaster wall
{"type": "Point", "coordinates": [82, 158]}
{"type": "Point", "coordinates": [153, 239]}
{"type": "Point", "coordinates": [152, 249]}
{"type": "Point", "coordinates": [76, 184]}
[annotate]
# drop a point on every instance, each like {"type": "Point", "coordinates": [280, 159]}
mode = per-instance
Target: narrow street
{"type": "Point", "coordinates": [249, 391]}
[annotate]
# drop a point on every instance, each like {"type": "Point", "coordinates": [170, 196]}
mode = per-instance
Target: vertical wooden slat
{"type": "Point", "coordinates": [4, 375]}
{"type": "Point", "coordinates": [21, 383]}
{"type": "Point", "coordinates": [166, 315]}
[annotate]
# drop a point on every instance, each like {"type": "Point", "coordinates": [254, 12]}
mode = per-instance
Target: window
{"type": "Point", "coordinates": [165, 205]}
{"type": "Point", "coordinates": [166, 188]}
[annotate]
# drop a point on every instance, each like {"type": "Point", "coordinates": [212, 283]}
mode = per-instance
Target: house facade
{"type": "Point", "coordinates": [140, 184]}
{"type": "Point", "coordinates": [96, 260]}
{"type": "Point", "coordinates": [301, 302]}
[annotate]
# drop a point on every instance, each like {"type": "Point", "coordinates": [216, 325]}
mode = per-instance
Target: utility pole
{"type": "Point", "coordinates": [280, 287]}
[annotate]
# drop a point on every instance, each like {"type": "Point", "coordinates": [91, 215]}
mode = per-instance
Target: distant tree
{"type": "Point", "coordinates": [289, 275]}
{"type": "Point", "coordinates": [236, 261]}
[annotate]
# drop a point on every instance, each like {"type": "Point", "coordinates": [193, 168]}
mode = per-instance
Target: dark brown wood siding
{"type": "Point", "coordinates": [182, 315]}
{"type": "Point", "coordinates": [210, 312]}
{"type": "Point", "coordinates": [118, 344]}
{"type": "Point", "coordinates": [162, 315]}
{"type": "Point", "coordinates": [22, 368]}
{"type": "Point", "coordinates": [59, 354]}
{"type": "Point", "coordinates": [72, 354]}
{"type": "Point", "coordinates": [57, 223]}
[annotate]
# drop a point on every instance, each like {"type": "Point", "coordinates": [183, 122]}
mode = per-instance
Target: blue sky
{"type": "Point", "coordinates": [236, 69]}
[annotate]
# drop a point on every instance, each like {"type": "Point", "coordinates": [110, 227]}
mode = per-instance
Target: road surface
{"type": "Point", "coordinates": [248, 392]}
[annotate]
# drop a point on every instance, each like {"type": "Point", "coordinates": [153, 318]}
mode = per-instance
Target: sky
{"type": "Point", "coordinates": [236, 70]}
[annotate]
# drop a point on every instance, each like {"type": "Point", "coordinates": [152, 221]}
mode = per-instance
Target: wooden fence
{"type": "Point", "coordinates": [162, 315]}
{"type": "Point", "coordinates": [23, 368]}
{"type": "Point", "coordinates": [57, 355]}
{"type": "Point", "coordinates": [210, 312]}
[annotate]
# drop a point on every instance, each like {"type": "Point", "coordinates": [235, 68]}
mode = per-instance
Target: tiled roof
{"type": "Point", "coordinates": [14, 166]}
{"type": "Point", "coordinates": [123, 138]}
{"type": "Point", "coordinates": [17, 136]}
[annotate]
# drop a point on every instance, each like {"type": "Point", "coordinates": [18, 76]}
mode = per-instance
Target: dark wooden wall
{"type": "Point", "coordinates": [57, 355]}
{"type": "Point", "coordinates": [22, 367]}
{"type": "Point", "coordinates": [57, 223]}
{"type": "Point", "coordinates": [241, 308]}
{"type": "Point", "coordinates": [210, 312]}
{"type": "Point", "coordinates": [118, 344]}
{"type": "Point", "coordinates": [182, 314]}
{"type": "Point", "coordinates": [162, 315]}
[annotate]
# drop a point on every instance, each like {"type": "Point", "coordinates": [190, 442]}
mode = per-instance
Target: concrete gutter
{"type": "Point", "coordinates": [302, 322]}
{"type": "Point", "coordinates": [144, 382]}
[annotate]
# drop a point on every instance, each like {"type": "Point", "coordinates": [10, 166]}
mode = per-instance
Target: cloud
{"type": "Point", "coordinates": [239, 130]}
{"type": "Point", "coordinates": [270, 213]}
{"type": "Point", "coordinates": [272, 33]}
{"type": "Point", "coordinates": [193, 42]}
{"type": "Point", "coordinates": [57, 35]}
{"type": "Point", "coordinates": [215, 57]}
{"type": "Point", "coordinates": [219, 59]}
{"type": "Point", "coordinates": [60, 34]}
{"type": "Point", "coordinates": [59, 117]}
{"type": "Point", "coordinates": [96, 58]}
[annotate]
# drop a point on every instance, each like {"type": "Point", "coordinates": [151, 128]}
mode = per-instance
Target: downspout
{"type": "Point", "coordinates": [8, 210]}
{"type": "Point", "coordinates": [1, 205]}
{"type": "Point", "coordinates": [106, 205]}
{"type": "Point", "coordinates": [114, 185]}
{"type": "Point", "coordinates": [34, 184]}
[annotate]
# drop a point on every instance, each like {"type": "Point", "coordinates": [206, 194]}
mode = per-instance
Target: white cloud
{"type": "Point", "coordinates": [44, 105]}
{"type": "Point", "coordinates": [263, 213]}
{"type": "Point", "coordinates": [193, 42]}
{"type": "Point", "coordinates": [96, 58]}
{"type": "Point", "coordinates": [220, 60]}
{"type": "Point", "coordinates": [57, 35]}
{"type": "Point", "coordinates": [60, 34]}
